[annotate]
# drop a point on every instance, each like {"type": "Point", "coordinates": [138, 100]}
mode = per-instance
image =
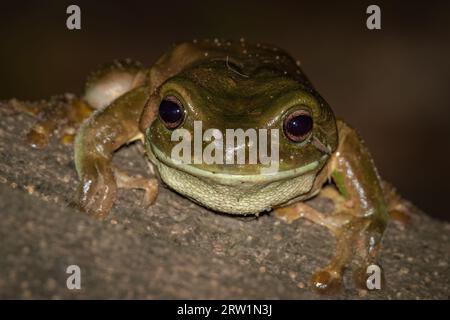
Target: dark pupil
{"type": "Point", "coordinates": [299, 126]}
{"type": "Point", "coordinates": [170, 112]}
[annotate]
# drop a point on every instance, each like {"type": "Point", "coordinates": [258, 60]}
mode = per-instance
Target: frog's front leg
{"type": "Point", "coordinates": [329, 279]}
{"type": "Point", "coordinates": [359, 223]}
{"type": "Point", "coordinates": [149, 186]}
{"type": "Point", "coordinates": [97, 139]}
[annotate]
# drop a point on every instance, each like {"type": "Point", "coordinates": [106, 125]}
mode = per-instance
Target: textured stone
{"type": "Point", "coordinates": [176, 249]}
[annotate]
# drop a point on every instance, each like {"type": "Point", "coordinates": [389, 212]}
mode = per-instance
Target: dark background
{"type": "Point", "coordinates": [392, 84]}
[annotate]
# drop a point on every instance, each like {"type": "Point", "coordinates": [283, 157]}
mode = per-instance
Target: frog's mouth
{"type": "Point", "coordinates": [159, 158]}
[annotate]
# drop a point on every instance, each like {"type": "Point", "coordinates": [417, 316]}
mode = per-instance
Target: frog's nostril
{"type": "Point", "coordinates": [171, 112]}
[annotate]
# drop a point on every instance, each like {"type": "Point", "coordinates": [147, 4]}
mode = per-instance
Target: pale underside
{"type": "Point", "coordinates": [234, 194]}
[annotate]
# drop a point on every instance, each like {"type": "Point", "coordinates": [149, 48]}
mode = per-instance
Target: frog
{"type": "Point", "coordinates": [230, 85]}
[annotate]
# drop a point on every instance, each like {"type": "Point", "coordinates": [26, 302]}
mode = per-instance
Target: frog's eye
{"type": "Point", "coordinates": [171, 112]}
{"type": "Point", "coordinates": [298, 125]}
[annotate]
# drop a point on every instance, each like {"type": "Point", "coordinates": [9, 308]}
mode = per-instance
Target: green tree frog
{"type": "Point", "coordinates": [231, 85]}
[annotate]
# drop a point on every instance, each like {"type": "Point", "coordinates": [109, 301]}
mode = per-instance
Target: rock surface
{"type": "Point", "coordinates": [177, 249]}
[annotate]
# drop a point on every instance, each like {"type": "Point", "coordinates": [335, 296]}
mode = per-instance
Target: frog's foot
{"type": "Point", "coordinates": [63, 115]}
{"type": "Point", "coordinates": [288, 214]}
{"type": "Point", "coordinates": [302, 210]}
{"type": "Point", "coordinates": [398, 208]}
{"type": "Point", "coordinates": [329, 279]}
{"type": "Point", "coordinates": [340, 203]}
{"type": "Point", "coordinates": [150, 186]}
{"type": "Point", "coordinates": [97, 190]}
{"type": "Point", "coordinates": [356, 237]}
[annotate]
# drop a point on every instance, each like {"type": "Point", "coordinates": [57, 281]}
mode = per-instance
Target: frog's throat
{"type": "Point", "coordinates": [157, 157]}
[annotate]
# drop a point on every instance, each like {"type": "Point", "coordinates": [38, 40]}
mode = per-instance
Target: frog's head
{"type": "Point", "coordinates": [241, 93]}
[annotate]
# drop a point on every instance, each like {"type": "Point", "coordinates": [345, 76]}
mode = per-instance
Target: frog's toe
{"type": "Point", "coordinates": [150, 186]}
{"type": "Point", "coordinates": [287, 214]}
{"type": "Point", "coordinates": [327, 281]}
{"type": "Point", "coordinates": [398, 208]}
{"type": "Point", "coordinates": [67, 139]}
{"type": "Point", "coordinates": [37, 137]}
{"type": "Point", "coordinates": [151, 192]}
{"type": "Point", "coordinates": [400, 217]}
